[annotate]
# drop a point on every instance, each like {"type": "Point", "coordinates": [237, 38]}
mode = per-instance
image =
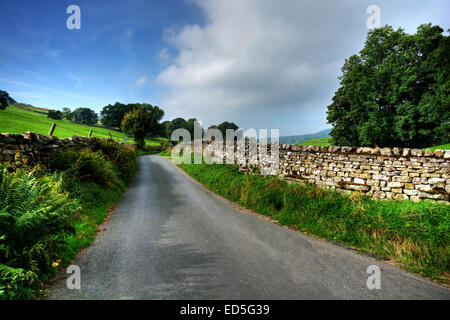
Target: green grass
{"type": "Point", "coordinates": [324, 142]}
{"type": "Point", "coordinates": [96, 201]}
{"type": "Point", "coordinates": [17, 120]}
{"type": "Point", "coordinates": [42, 110]}
{"type": "Point", "coordinates": [442, 147]}
{"type": "Point", "coordinates": [416, 236]}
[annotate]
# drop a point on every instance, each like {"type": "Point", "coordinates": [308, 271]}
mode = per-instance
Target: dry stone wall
{"type": "Point", "coordinates": [38, 148]}
{"type": "Point", "coordinates": [382, 173]}
{"type": "Point", "coordinates": [394, 173]}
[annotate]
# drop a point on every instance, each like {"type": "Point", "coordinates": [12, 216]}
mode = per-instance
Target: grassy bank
{"type": "Point", "coordinates": [47, 215]}
{"type": "Point", "coordinates": [416, 236]}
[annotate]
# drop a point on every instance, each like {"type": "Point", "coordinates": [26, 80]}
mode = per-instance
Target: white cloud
{"type": "Point", "coordinates": [140, 82]}
{"type": "Point", "coordinates": [264, 63]}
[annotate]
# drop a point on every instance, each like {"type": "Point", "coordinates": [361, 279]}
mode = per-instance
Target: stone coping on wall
{"type": "Point", "coordinates": [395, 152]}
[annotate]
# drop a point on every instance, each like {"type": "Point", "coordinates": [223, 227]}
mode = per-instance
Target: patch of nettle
{"type": "Point", "coordinates": [47, 215]}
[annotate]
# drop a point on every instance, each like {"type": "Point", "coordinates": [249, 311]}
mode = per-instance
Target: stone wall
{"type": "Point", "coordinates": [38, 148]}
{"type": "Point", "coordinates": [383, 173]}
{"type": "Point", "coordinates": [394, 173]}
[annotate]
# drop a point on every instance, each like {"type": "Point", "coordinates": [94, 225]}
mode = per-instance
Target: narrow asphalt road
{"type": "Point", "coordinates": [170, 238]}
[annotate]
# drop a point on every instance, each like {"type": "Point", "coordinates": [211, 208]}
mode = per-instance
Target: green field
{"type": "Point", "coordinates": [324, 142]}
{"type": "Point", "coordinates": [442, 147]}
{"type": "Point", "coordinates": [17, 120]}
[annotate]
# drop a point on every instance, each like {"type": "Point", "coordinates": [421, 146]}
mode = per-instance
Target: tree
{"type": "Point", "coordinates": [156, 114]}
{"type": "Point", "coordinates": [190, 126]}
{"type": "Point", "coordinates": [177, 123]}
{"type": "Point", "coordinates": [137, 124]}
{"type": "Point", "coordinates": [226, 125]}
{"type": "Point", "coordinates": [165, 129]}
{"type": "Point", "coordinates": [84, 116]}
{"type": "Point", "coordinates": [112, 115]}
{"type": "Point", "coordinates": [395, 92]}
{"type": "Point", "coordinates": [5, 100]}
{"type": "Point", "coordinates": [55, 114]}
{"type": "Point", "coordinates": [67, 113]}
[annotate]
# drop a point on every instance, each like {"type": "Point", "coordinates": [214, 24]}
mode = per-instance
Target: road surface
{"type": "Point", "coordinates": [170, 238]}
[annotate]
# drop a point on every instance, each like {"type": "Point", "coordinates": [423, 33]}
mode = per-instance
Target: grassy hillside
{"type": "Point", "coordinates": [31, 108]}
{"type": "Point", "coordinates": [442, 147]}
{"type": "Point", "coordinates": [316, 142]}
{"type": "Point", "coordinates": [18, 120]}
{"type": "Point", "coordinates": [326, 142]}
{"type": "Point", "coordinates": [301, 138]}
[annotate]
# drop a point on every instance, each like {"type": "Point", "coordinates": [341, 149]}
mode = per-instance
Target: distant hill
{"type": "Point", "coordinates": [304, 137]}
{"type": "Point", "coordinates": [29, 107]}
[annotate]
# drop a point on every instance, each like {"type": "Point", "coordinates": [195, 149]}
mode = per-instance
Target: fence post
{"type": "Point", "coordinates": [90, 133]}
{"type": "Point", "coordinates": [50, 133]}
{"type": "Point", "coordinates": [110, 136]}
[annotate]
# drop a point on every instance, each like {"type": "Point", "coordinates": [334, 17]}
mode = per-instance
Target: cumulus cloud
{"type": "Point", "coordinates": [140, 82]}
{"type": "Point", "coordinates": [263, 63]}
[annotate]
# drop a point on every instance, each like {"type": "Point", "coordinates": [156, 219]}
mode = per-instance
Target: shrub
{"type": "Point", "coordinates": [93, 166]}
{"type": "Point", "coordinates": [34, 213]}
{"type": "Point", "coordinates": [108, 162]}
{"type": "Point", "coordinates": [65, 159]}
{"type": "Point", "coordinates": [122, 156]}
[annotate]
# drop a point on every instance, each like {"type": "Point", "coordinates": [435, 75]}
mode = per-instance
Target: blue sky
{"type": "Point", "coordinates": [259, 63]}
{"type": "Point", "coordinates": [44, 63]}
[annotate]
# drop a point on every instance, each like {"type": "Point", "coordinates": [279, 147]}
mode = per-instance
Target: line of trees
{"type": "Point", "coordinates": [167, 127]}
{"type": "Point", "coordinates": [79, 115]}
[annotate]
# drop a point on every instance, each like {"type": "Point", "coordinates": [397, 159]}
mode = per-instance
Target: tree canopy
{"type": "Point", "coordinates": [55, 114]}
{"type": "Point", "coordinates": [142, 121]}
{"type": "Point", "coordinates": [113, 114]}
{"type": "Point", "coordinates": [67, 113]}
{"type": "Point", "coordinates": [5, 100]}
{"type": "Point", "coordinates": [176, 124]}
{"type": "Point", "coordinates": [226, 125]}
{"type": "Point", "coordinates": [84, 116]}
{"type": "Point", "coordinates": [395, 92]}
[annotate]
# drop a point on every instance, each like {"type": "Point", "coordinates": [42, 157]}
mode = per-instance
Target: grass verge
{"type": "Point", "coordinates": [48, 215]}
{"type": "Point", "coordinates": [416, 236]}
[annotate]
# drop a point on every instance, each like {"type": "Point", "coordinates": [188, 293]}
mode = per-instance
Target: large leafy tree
{"type": "Point", "coordinates": [165, 129]}
{"type": "Point", "coordinates": [113, 114]}
{"type": "Point", "coordinates": [137, 124]}
{"type": "Point", "coordinates": [177, 123]}
{"type": "Point", "coordinates": [67, 113]}
{"type": "Point", "coordinates": [84, 116]}
{"type": "Point", "coordinates": [142, 122]}
{"type": "Point", "coordinates": [226, 125]}
{"type": "Point", "coordinates": [5, 100]}
{"type": "Point", "coordinates": [396, 91]}
{"type": "Point", "coordinates": [55, 114]}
